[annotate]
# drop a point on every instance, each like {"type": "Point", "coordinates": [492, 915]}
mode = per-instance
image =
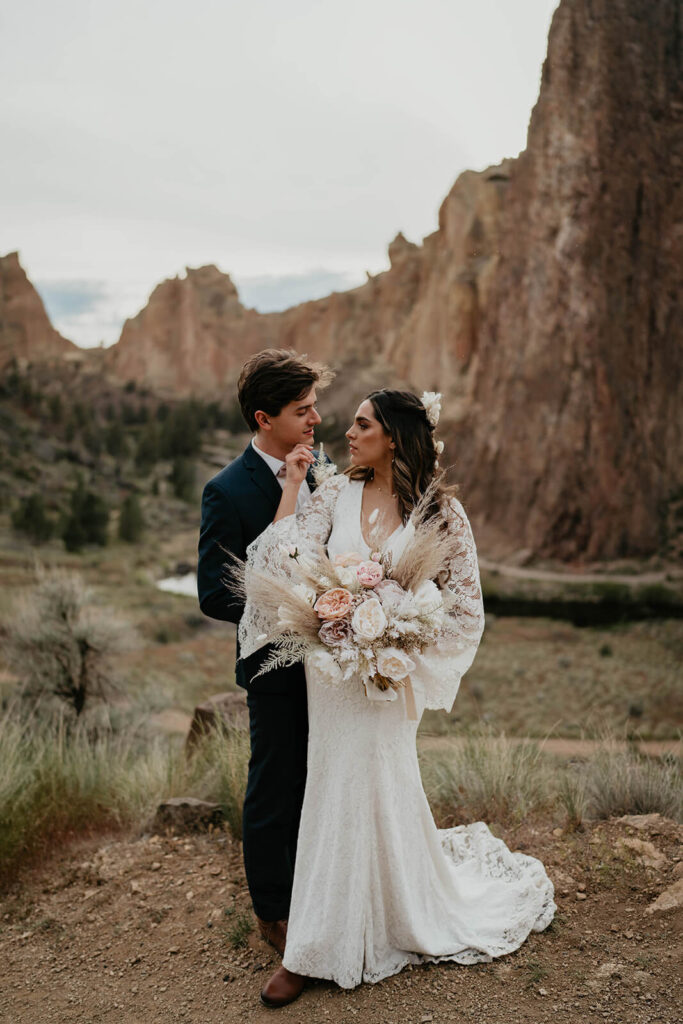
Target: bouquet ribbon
{"type": "Point", "coordinates": [411, 710]}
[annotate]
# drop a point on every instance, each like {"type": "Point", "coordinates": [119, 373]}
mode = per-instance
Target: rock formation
{"type": "Point", "coordinates": [572, 442]}
{"type": "Point", "coordinates": [545, 306]}
{"type": "Point", "coordinates": [192, 334]}
{"type": "Point", "coordinates": [25, 329]}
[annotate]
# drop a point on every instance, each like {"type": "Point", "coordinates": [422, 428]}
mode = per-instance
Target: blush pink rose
{"type": "Point", "coordinates": [334, 604]}
{"type": "Point", "coordinates": [349, 558]}
{"type": "Point", "coordinates": [369, 573]}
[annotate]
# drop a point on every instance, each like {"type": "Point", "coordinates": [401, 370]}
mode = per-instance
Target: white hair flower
{"type": "Point", "coordinates": [432, 403]}
{"type": "Point", "coordinates": [439, 447]}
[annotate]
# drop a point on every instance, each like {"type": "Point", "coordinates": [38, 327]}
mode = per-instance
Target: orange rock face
{"type": "Point", "coordinates": [25, 329]}
{"type": "Point", "coordinates": [546, 307]}
{"type": "Point", "coordinates": [572, 440]}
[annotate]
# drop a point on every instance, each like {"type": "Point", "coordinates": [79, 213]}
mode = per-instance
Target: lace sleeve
{"type": "Point", "coordinates": [443, 666]}
{"type": "Point", "coordinates": [307, 529]}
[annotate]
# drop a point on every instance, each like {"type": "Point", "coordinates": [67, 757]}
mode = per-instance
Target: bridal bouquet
{"type": "Point", "coordinates": [352, 616]}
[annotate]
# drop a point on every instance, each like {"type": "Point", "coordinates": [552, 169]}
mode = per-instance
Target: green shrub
{"type": "Point", "coordinates": [87, 521]}
{"type": "Point", "coordinates": [131, 520]}
{"type": "Point", "coordinates": [31, 518]}
{"type": "Point", "coordinates": [182, 479]}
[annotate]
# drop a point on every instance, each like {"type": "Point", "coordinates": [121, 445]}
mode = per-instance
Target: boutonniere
{"type": "Point", "coordinates": [322, 469]}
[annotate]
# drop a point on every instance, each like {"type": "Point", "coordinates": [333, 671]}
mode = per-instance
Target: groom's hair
{"type": "Point", "coordinates": [275, 377]}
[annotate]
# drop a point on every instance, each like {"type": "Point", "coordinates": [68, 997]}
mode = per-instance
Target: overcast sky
{"type": "Point", "coordinates": [286, 142]}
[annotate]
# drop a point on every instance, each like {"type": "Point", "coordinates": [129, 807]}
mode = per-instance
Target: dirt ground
{"type": "Point", "coordinates": [141, 929]}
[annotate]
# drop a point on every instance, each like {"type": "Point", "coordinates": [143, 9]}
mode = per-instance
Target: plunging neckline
{"type": "Point", "coordinates": [391, 536]}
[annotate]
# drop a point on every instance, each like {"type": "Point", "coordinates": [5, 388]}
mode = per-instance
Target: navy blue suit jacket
{"type": "Point", "coordinates": [237, 505]}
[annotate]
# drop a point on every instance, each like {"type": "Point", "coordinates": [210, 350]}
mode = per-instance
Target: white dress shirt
{"type": "Point", "coordinates": [276, 465]}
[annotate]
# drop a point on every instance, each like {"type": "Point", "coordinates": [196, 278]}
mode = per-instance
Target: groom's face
{"type": "Point", "coordinates": [294, 424]}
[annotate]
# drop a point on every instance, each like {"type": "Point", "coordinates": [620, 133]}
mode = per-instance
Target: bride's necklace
{"type": "Point", "coordinates": [381, 490]}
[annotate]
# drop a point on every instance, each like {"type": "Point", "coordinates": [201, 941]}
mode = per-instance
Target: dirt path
{"type": "Point", "coordinates": [570, 576]}
{"type": "Point", "coordinates": [147, 930]}
{"type": "Point", "coordinates": [564, 748]}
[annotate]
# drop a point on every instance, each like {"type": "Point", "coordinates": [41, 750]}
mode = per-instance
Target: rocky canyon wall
{"type": "Point", "coordinates": [572, 440]}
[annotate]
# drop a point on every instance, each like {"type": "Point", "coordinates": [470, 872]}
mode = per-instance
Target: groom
{"type": "Point", "coordinates": [277, 392]}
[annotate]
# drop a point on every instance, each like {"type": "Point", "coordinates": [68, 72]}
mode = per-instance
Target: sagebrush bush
{"type": "Point", "coordinates": [62, 645]}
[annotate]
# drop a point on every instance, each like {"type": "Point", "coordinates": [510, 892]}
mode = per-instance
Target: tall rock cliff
{"type": "Point", "coordinates": [25, 329]}
{"type": "Point", "coordinates": [572, 442]}
{"type": "Point", "coordinates": [546, 306]}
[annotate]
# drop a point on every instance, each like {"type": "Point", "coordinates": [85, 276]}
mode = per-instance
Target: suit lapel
{"type": "Point", "coordinates": [262, 476]}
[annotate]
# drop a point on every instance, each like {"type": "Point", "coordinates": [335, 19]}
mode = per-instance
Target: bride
{"type": "Point", "coordinates": [376, 885]}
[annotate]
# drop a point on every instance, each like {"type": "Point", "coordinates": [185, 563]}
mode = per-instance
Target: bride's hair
{"type": "Point", "coordinates": [404, 419]}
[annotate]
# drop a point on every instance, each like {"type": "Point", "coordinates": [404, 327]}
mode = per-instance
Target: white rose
{"type": "Point", "coordinates": [306, 593]}
{"type": "Point", "coordinates": [428, 597]}
{"type": "Point", "coordinates": [348, 577]}
{"type": "Point", "coordinates": [369, 620]}
{"type": "Point", "coordinates": [394, 664]}
{"type": "Point", "coordinates": [323, 665]}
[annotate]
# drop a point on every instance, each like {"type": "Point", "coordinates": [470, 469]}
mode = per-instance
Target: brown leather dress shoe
{"type": "Point", "coordinates": [274, 932]}
{"type": "Point", "coordinates": [283, 988]}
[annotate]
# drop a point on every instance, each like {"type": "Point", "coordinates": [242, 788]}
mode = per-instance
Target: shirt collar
{"type": "Point", "coordinates": [274, 464]}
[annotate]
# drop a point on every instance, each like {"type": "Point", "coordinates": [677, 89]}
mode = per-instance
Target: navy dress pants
{"type": "Point", "coordinates": [278, 725]}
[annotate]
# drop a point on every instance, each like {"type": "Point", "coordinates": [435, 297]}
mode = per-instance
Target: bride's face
{"type": "Point", "coordinates": [369, 444]}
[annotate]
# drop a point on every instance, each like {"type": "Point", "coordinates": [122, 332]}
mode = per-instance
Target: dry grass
{"type": "Point", "coordinates": [537, 676]}
{"type": "Point", "coordinates": [488, 777]}
{"type": "Point", "coordinates": [57, 781]}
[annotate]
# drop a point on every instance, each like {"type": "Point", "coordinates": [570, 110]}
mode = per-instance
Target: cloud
{"type": "Point", "coordinates": [271, 293]}
{"type": "Point", "coordinates": [89, 312]}
{"type": "Point", "coordinates": [66, 299]}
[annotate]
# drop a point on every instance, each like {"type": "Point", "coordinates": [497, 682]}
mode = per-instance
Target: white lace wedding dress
{"type": "Point", "coordinates": [377, 886]}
